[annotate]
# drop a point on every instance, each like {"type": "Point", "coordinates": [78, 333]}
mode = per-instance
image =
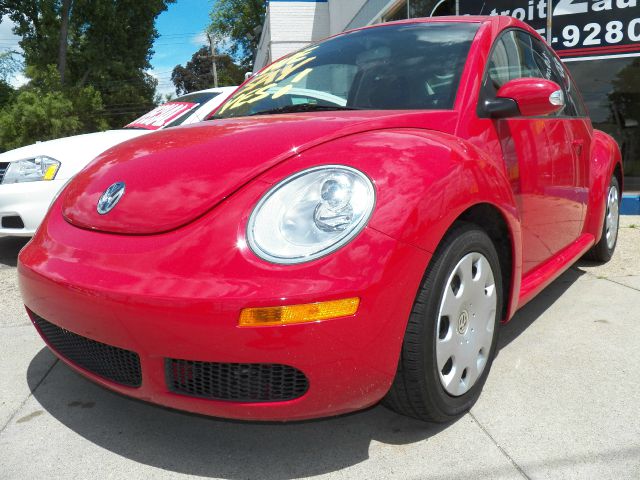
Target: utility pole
{"type": "Point", "coordinates": [549, 21]}
{"type": "Point", "coordinates": [214, 67]}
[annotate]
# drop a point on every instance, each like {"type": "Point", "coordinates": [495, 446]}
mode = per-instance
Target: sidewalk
{"type": "Point", "coordinates": [561, 403]}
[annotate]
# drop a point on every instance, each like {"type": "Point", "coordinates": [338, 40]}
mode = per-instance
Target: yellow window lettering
{"type": "Point", "coordinates": [261, 93]}
{"type": "Point", "coordinates": [235, 103]}
{"type": "Point", "coordinates": [301, 75]}
{"type": "Point", "coordinates": [265, 78]}
{"type": "Point", "coordinates": [289, 69]}
{"type": "Point", "coordinates": [282, 91]}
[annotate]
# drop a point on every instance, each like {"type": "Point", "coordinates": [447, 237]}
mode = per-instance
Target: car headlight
{"type": "Point", "coordinates": [311, 214]}
{"type": "Point", "coordinates": [31, 170]}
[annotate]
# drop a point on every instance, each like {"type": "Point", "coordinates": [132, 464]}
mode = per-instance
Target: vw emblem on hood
{"type": "Point", "coordinates": [110, 198]}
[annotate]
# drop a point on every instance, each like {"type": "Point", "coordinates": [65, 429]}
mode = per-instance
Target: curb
{"type": "Point", "coordinates": [630, 204]}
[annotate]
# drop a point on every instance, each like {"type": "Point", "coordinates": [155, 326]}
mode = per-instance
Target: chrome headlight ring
{"type": "Point", "coordinates": [311, 214]}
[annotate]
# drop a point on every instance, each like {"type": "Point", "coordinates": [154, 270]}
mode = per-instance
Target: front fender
{"type": "Point", "coordinates": [605, 157]}
{"type": "Point", "coordinates": [424, 181]}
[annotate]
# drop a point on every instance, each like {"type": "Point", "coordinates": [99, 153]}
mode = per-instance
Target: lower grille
{"type": "Point", "coordinates": [3, 169]}
{"type": "Point", "coordinates": [112, 363]}
{"type": "Point", "coordinates": [12, 222]}
{"type": "Point", "coordinates": [235, 382]}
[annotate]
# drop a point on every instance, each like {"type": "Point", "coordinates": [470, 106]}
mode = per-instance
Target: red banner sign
{"type": "Point", "coordinates": [162, 115]}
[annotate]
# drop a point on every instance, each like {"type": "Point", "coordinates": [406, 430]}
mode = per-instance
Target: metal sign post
{"type": "Point", "coordinates": [549, 21]}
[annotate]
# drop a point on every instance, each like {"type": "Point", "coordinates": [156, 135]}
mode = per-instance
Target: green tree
{"type": "Point", "coordinates": [9, 66]}
{"type": "Point", "coordinates": [43, 110]}
{"type": "Point", "coordinates": [105, 44]}
{"type": "Point", "coordinates": [239, 22]}
{"type": "Point", "coordinates": [198, 72]}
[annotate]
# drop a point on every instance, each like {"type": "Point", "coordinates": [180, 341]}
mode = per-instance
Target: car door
{"type": "Point", "coordinates": [580, 133]}
{"type": "Point", "coordinates": [569, 135]}
{"type": "Point", "coordinates": [537, 152]}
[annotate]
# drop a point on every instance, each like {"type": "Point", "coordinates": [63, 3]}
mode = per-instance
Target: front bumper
{"type": "Point", "coordinates": [27, 202]}
{"type": "Point", "coordinates": [178, 296]}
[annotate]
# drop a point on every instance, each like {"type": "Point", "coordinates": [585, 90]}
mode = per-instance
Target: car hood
{"type": "Point", "coordinates": [174, 176]}
{"type": "Point", "coordinates": [78, 148]}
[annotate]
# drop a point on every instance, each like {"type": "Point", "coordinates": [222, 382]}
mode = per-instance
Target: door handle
{"type": "Point", "coordinates": [578, 145]}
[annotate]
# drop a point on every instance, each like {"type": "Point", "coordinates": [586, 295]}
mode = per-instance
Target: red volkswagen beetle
{"type": "Point", "coordinates": [353, 226]}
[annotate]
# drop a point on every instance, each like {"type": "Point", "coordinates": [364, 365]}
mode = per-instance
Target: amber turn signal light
{"type": "Point", "coordinates": [308, 312]}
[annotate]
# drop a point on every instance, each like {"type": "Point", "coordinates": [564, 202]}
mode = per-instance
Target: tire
{"type": "Point", "coordinates": [603, 250]}
{"type": "Point", "coordinates": [425, 386]}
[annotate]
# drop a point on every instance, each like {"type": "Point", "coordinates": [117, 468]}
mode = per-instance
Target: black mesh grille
{"type": "Point", "coordinates": [112, 363]}
{"type": "Point", "coordinates": [3, 169]}
{"type": "Point", "coordinates": [12, 222]}
{"type": "Point", "coordinates": [235, 382]}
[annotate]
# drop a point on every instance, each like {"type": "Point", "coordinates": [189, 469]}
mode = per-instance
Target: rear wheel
{"type": "Point", "coordinates": [450, 339]}
{"type": "Point", "coordinates": [603, 250]}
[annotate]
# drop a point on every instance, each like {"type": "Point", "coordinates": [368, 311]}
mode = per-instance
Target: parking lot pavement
{"type": "Point", "coordinates": [561, 402]}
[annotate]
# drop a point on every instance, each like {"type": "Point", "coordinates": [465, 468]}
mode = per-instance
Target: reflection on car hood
{"type": "Point", "coordinates": [174, 176]}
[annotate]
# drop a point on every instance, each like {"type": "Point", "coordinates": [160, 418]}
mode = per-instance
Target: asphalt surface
{"type": "Point", "coordinates": [561, 403]}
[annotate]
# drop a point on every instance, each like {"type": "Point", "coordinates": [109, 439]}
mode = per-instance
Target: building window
{"type": "Point", "coordinates": [611, 90]}
{"type": "Point", "coordinates": [419, 8]}
{"type": "Point", "coordinates": [397, 12]}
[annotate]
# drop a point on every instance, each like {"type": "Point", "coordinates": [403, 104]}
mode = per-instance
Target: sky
{"type": "Point", "coordinates": [9, 41]}
{"type": "Point", "coordinates": [182, 33]}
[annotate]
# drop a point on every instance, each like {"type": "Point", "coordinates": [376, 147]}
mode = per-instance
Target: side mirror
{"type": "Point", "coordinates": [533, 97]}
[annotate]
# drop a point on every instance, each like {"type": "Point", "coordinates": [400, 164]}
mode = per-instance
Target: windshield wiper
{"type": "Point", "coordinates": [304, 107]}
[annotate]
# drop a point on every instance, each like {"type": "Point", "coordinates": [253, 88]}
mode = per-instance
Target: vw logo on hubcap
{"type": "Point", "coordinates": [463, 322]}
{"type": "Point", "coordinates": [110, 198]}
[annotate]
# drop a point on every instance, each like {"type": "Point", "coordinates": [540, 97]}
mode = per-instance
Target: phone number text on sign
{"type": "Point", "coordinates": [595, 38]}
{"type": "Point", "coordinates": [580, 28]}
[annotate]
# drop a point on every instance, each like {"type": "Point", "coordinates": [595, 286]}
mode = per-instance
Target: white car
{"type": "Point", "coordinates": [31, 176]}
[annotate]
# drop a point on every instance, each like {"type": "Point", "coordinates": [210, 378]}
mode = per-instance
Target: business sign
{"type": "Point", "coordinates": [580, 28]}
{"type": "Point", "coordinates": [162, 115]}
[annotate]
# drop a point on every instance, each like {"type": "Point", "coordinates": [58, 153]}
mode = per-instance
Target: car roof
{"type": "Point", "coordinates": [495, 22]}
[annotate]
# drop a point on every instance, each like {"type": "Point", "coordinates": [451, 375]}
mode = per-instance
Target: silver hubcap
{"type": "Point", "coordinates": [465, 323]}
{"type": "Point", "coordinates": [613, 212]}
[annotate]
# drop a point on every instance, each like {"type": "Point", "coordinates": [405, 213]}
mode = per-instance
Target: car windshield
{"type": "Point", "coordinates": [173, 113]}
{"type": "Point", "coordinates": [391, 67]}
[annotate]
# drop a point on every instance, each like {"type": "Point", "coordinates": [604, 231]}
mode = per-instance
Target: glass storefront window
{"type": "Point", "coordinates": [398, 12]}
{"type": "Point", "coordinates": [611, 90]}
{"type": "Point", "coordinates": [420, 8]}
{"type": "Point", "coordinates": [429, 8]}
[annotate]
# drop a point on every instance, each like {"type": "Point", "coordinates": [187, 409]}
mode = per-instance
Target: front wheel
{"type": "Point", "coordinates": [451, 334]}
{"type": "Point", "coordinates": [603, 250]}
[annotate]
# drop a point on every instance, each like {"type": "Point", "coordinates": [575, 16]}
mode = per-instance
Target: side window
{"type": "Point", "coordinates": [517, 54]}
{"type": "Point", "coordinates": [574, 96]}
{"type": "Point", "coordinates": [514, 57]}
{"type": "Point", "coordinates": [575, 106]}
{"type": "Point", "coordinates": [504, 64]}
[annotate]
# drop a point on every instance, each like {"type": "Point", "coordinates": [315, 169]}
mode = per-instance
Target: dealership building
{"type": "Point", "coordinates": [598, 39]}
